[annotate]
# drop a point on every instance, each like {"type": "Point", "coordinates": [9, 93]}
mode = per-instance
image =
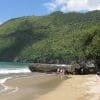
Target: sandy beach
{"type": "Point", "coordinates": [68, 90]}
{"type": "Point", "coordinates": [30, 87]}
{"type": "Point", "coordinates": [86, 87]}
{"type": "Point", "coordinates": [53, 87]}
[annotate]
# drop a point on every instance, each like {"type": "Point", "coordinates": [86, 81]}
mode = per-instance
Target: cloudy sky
{"type": "Point", "coordinates": [73, 5]}
{"type": "Point", "coordinates": [16, 8]}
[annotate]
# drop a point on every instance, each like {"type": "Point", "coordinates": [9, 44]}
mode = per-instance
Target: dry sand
{"type": "Point", "coordinates": [71, 89]}
{"type": "Point", "coordinates": [53, 87]}
{"type": "Point", "coordinates": [85, 87]}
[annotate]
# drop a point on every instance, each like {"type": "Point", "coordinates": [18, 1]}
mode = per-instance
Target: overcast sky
{"type": "Point", "coordinates": [17, 8]}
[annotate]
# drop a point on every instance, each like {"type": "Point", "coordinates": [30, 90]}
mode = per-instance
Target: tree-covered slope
{"type": "Point", "coordinates": [58, 37]}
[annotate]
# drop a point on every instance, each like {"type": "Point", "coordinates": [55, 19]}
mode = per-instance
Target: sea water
{"type": "Point", "coordinates": [10, 70]}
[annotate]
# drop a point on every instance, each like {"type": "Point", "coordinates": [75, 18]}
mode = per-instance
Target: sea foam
{"type": "Point", "coordinates": [14, 70]}
{"type": "Point", "coordinates": [2, 81]}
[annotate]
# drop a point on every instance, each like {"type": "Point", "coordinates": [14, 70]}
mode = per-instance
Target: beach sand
{"type": "Point", "coordinates": [53, 87]}
{"type": "Point", "coordinates": [71, 89]}
{"type": "Point", "coordinates": [79, 87]}
{"type": "Point", "coordinates": [30, 87]}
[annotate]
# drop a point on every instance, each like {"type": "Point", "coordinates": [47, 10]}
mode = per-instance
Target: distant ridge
{"type": "Point", "coordinates": [54, 38]}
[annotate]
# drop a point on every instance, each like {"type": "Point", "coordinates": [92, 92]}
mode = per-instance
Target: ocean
{"type": "Point", "coordinates": [10, 70]}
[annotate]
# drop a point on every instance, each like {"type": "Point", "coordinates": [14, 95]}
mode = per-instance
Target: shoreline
{"type": "Point", "coordinates": [52, 87]}
{"type": "Point", "coordinates": [30, 87]}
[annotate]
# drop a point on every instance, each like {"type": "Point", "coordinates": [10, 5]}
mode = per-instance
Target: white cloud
{"type": "Point", "coordinates": [94, 5]}
{"type": "Point", "coordinates": [73, 5]}
{"type": "Point", "coordinates": [55, 4]}
{"type": "Point", "coordinates": [77, 5]}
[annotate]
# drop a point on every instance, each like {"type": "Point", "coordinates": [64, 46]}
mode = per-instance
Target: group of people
{"type": "Point", "coordinates": [61, 71]}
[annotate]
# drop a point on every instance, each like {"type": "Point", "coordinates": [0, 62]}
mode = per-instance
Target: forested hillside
{"type": "Point", "coordinates": [55, 38]}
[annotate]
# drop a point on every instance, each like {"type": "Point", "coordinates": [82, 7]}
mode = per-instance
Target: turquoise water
{"type": "Point", "coordinates": [13, 65]}
{"type": "Point", "coordinates": [9, 70]}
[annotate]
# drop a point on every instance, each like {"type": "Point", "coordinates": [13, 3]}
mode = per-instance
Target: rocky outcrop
{"type": "Point", "coordinates": [84, 68]}
{"type": "Point", "coordinates": [97, 63]}
{"type": "Point", "coordinates": [49, 68]}
{"type": "Point", "coordinates": [43, 67]}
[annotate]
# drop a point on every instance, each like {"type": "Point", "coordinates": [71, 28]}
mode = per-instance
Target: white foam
{"type": "Point", "coordinates": [14, 90]}
{"type": "Point", "coordinates": [2, 81]}
{"type": "Point", "coordinates": [14, 70]}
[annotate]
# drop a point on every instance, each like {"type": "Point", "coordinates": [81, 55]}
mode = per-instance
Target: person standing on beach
{"type": "Point", "coordinates": [62, 72]}
{"type": "Point", "coordinates": [58, 70]}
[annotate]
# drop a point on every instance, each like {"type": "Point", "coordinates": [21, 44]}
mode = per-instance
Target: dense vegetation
{"type": "Point", "coordinates": [55, 38]}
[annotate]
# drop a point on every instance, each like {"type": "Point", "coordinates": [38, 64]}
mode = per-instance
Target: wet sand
{"type": "Point", "coordinates": [53, 87]}
{"type": "Point", "coordinates": [31, 87]}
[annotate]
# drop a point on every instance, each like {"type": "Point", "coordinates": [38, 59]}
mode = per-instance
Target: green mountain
{"type": "Point", "coordinates": [55, 38]}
